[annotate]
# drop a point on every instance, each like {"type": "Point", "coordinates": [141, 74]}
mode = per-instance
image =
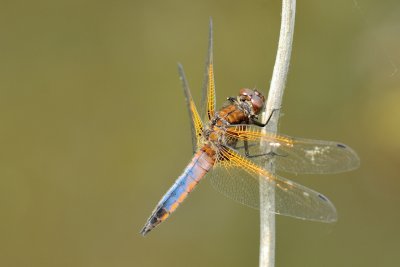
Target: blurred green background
{"type": "Point", "coordinates": [94, 129]}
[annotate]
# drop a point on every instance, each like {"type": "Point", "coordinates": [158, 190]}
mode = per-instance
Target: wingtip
{"type": "Point", "coordinates": [210, 42]}
{"type": "Point", "coordinates": [180, 66]}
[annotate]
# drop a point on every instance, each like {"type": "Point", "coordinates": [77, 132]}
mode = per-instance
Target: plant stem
{"type": "Point", "coordinates": [274, 101]}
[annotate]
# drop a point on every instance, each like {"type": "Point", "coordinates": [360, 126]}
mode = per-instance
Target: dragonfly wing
{"type": "Point", "coordinates": [239, 179]}
{"type": "Point", "coordinates": [195, 120]}
{"type": "Point", "coordinates": [234, 183]}
{"type": "Point", "coordinates": [296, 155]}
{"type": "Point", "coordinates": [209, 99]}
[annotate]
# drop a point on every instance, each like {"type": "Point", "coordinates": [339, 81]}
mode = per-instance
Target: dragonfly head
{"type": "Point", "coordinates": [256, 98]}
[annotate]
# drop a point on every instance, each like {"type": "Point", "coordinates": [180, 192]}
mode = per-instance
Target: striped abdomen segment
{"type": "Point", "coordinates": [201, 163]}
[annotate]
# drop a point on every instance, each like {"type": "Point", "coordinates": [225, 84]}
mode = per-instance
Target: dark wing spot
{"type": "Point", "coordinates": [322, 197]}
{"type": "Point", "coordinates": [341, 145]}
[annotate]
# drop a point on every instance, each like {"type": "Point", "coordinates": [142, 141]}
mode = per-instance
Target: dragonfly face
{"type": "Point", "coordinates": [256, 99]}
{"type": "Point", "coordinates": [226, 144]}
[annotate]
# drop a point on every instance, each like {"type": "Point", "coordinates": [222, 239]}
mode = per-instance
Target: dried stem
{"type": "Point", "coordinates": [277, 87]}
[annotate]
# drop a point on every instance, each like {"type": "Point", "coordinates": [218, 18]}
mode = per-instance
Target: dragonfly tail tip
{"type": "Point", "coordinates": [145, 230]}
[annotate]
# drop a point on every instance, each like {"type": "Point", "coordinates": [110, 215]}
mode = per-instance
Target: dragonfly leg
{"type": "Point", "coordinates": [246, 147]}
{"type": "Point", "coordinates": [255, 122]}
{"type": "Point", "coordinates": [269, 154]}
{"type": "Point", "coordinates": [231, 99]}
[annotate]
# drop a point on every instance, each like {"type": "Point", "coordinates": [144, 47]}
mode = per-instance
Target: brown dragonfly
{"type": "Point", "coordinates": [226, 144]}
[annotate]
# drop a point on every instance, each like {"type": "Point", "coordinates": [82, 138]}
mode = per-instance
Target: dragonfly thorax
{"type": "Point", "coordinates": [240, 110]}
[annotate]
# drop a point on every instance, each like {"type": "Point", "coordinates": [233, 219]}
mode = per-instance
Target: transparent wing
{"type": "Point", "coordinates": [195, 121]}
{"type": "Point", "coordinates": [296, 155]}
{"type": "Point", "coordinates": [238, 178]}
{"type": "Point", "coordinates": [209, 98]}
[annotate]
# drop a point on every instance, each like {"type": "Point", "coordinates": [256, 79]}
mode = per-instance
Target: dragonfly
{"type": "Point", "coordinates": [226, 146]}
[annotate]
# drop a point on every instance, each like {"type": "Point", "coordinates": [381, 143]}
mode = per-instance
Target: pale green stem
{"type": "Point", "coordinates": [274, 102]}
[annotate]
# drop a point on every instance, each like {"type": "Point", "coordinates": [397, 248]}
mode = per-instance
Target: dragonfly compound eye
{"type": "Point", "coordinates": [246, 94]}
{"type": "Point", "coordinates": [257, 103]}
{"type": "Point", "coordinates": [257, 93]}
{"type": "Point", "coordinates": [256, 98]}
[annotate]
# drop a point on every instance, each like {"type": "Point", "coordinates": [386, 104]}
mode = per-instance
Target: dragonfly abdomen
{"type": "Point", "coordinates": [201, 163]}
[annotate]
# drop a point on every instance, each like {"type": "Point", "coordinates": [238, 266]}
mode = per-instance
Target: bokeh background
{"type": "Point", "coordinates": [94, 129]}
